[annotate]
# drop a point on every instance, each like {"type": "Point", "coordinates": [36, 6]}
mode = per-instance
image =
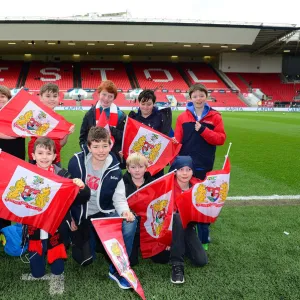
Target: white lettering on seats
{"type": "Point", "coordinates": [47, 71]}
{"type": "Point", "coordinates": [167, 73]}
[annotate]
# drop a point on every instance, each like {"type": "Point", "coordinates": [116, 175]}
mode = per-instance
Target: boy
{"type": "Point", "coordinates": [100, 170]}
{"type": "Point", "coordinates": [184, 241]}
{"type": "Point", "coordinates": [135, 178]}
{"type": "Point", "coordinates": [11, 145]}
{"type": "Point", "coordinates": [200, 129]}
{"type": "Point", "coordinates": [115, 117]}
{"type": "Point", "coordinates": [40, 242]}
{"type": "Point", "coordinates": [49, 96]}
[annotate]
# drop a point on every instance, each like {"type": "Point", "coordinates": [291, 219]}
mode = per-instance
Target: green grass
{"type": "Point", "coordinates": [264, 154]}
{"type": "Point", "coordinates": [249, 258]}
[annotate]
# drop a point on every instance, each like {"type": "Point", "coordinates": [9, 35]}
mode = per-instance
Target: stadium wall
{"type": "Point", "coordinates": [291, 65]}
{"type": "Point", "coordinates": [248, 63]}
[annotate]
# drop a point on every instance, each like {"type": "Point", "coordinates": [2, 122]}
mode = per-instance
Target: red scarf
{"type": "Point", "coordinates": [112, 119]}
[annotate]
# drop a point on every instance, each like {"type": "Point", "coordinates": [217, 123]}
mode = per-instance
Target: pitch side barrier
{"type": "Point", "coordinates": [232, 109]}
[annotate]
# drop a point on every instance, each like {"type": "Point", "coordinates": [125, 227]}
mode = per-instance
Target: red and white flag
{"type": "Point", "coordinates": [24, 115]}
{"type": "Point", "coordinates": [204, 201]}
{"type": "Point", "coordinates": [155, 146]}
{"type": "Point", "coordinates": [33, 196]}
{"type": "Point", "coordinates": [154, 203]}
{"type": "Point", "coordinates": [109, 231]}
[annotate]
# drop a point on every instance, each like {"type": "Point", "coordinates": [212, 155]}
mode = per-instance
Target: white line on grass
{"type": "Point", "coordinates": [56, 282]}
{"type": "Point", "coordinates": [272, 197]}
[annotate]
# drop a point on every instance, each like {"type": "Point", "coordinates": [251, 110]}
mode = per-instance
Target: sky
{"type": "Point", "coordinates": [262, 11]}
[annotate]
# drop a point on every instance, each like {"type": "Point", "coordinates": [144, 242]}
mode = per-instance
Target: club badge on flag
{"type": "Point", "coordinates": [32, 196]}
{"type": "Point", "coordinates": [155, 146]}
{"type": "Point", "coordinates": [204, 201]}
{"type": "Point", "coordinates": [154, 204]}
{"type": "Point", "coordinates": [24, 115]}
{"type": "Point", "coordinates": [109, 231]}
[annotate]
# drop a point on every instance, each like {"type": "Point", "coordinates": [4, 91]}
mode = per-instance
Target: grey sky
{"type": "Point", "coordinates": [265, 11]}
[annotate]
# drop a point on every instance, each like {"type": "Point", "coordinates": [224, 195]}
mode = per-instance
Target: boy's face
{"type": "Point", "coordinates": [136, 171]}
{"type": "Point", "coordinates": [146, 107]}
{"type": "Point", "coordinates": [50, 99]}
{"type": "Point", "coordinates": [3, 100]}
{"type": "Point", "coordinates": [43, 157]}
{"type": "Point", "coordinates": [99, 150]}
{"type": "Point", "coordinates": [184, 174]}
{"type": "Point", "coordinates": [106, 98]}
{"type": "Point", "coordinates": [198, 98]}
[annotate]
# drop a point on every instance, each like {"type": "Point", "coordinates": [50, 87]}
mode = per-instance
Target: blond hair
{"type": "Point", "coordinates": [136, 158]}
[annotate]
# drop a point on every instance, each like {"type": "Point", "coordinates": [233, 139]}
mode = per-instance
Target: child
{"type": "Point", "coordinates": [200, 129]}
{"type": "Point", "coordinates": [116, 118]}
{"type": "Point", "coordinates": [11, 145]}
{"type": "Point", "coordinates": [135, 178]}
{"type": "Point", "coordinates": [101, 172]}
{"type": "Point", "coordinates": [49, 96]}
{"type": "Point", "coordinates": [40, 242]}
{"type": "Point", "coordinates": [184, 241]}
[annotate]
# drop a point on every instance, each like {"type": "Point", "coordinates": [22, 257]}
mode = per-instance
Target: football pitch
{"type": "Point", "coordinates": [255, 244]}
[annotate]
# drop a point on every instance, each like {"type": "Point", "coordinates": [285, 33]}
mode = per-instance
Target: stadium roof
{"type": "Point", "coordinates": [168, 37]}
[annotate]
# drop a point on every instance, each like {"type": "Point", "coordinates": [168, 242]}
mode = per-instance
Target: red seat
{"type": "Point", "coordinates": [9, 73]}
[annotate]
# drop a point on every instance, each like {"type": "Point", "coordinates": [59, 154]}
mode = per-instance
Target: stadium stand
{"type": "Point", "coordinates": [203, 73]}
{"type": "Point", "coordinates": [9, 73]}
{"type": "Point", "coordinates": [93, 73]}
{"type": "Point", "coordinates": [159, 75]}
{"type": "Point", "coordinates": [41, 73]}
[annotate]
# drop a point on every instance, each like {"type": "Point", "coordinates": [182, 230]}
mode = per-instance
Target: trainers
{"type": "Point", "coordinates": [121, 281]}
{"type": "Point", "coordinates": [177, 274]}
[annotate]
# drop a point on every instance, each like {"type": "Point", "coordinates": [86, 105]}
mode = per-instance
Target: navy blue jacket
{"type": "Point", "coordinates": [107, 185]}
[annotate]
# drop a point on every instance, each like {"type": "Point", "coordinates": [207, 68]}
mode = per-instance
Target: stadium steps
{"type": "Point", "coordinates": [131, 76]}
{"type": "Point", "coordinates": [77, 82]}
{"type": "Point", "coordinates": [219, 75]}
{"type": "Point", "coordinates": [23, 75]}
{"type": "Point", "coordinates": [183, 75]}
{"type": "Point", "coordinates": [243, 79]}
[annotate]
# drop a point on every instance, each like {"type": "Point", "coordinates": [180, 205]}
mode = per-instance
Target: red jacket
{"type": "Point", "coordinates": [200, 145]}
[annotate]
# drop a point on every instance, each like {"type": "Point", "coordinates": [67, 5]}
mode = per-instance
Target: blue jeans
{"type": "Point", "coordinates": [128, 230]}
{"type": "Point", "coordinates": [38, 264]}
{"type": "Point", "coordinates": [203, 232]}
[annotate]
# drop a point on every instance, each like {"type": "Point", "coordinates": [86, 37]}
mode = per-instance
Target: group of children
{"type": "Point", "coordinates": [97, 170]}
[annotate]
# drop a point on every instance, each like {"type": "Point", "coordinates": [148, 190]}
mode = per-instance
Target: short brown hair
{"type": "Point", "coordinates": [98, 134]}
{"type": "Point", "coordinates": [197, 87]}
{"type": "Point", "coordinates": [49, 87]}
{"type": "Point", "coordinates": [109, 86]}
{"type": "Point", "coordinates": [5, 91]}
{"type": "Point", "coordinates": [146, 95]}
{"type": "Point", "coordinates": [46, 143]}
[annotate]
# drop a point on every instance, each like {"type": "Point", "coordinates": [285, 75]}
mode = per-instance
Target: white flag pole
{"type": "Point", "coordinates": [227, 154]}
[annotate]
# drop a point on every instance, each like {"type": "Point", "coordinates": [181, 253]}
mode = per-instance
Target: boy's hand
{"type": "Point", "coordinates": [72, 128]}
{"type": "Point", "coordinates": [174, 140]}
{"type": "Point", "coordinates": [79, 183]}
{"type": "Point", "coordinates": [121, 154]}
{"type": "Point", "coordinates": [197, 126]}
{"type": "Point", "coordinates": [73, 225]}
{"type": "Point", "coordinates": [128, 215]}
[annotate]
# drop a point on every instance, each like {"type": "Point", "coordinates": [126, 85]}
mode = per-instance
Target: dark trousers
{"type": "Point", "coordinates": [38, 263]}
{"type": "Point", "coordinates": [203, 228]}
{"type": "Point", "coordinates": [186, 242]}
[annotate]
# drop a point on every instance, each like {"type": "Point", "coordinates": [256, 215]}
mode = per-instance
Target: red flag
{"type": "Point", "coordinates": [204, 201]}
{"type": "Point", "coordinates": [154, 204]}
{"type": "Point", "coordinates": [109, 231]}
{"type": "Point", "coordinates": [24, 115]}
{"type": "Point", "coordinates": [157, 147]}
{"type": "Point", "coordinates": [103, 122]}
{"type": "Point", "coordinates": [33, 196]}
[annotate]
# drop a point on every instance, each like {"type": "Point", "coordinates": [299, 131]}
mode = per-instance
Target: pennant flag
{"type": "Point", "coordinates": [155, 146]}
{"type": "Point", "coordinates": [24, 115]}
{"type": "Point", "coordinates": [103, 122]}
{"type": "Point", "coordinates": [33, 196]}
{"type": "Point", "coordinates": [154, 203]}
{"type": "Point", "coordinates": [109, 231]}
{"type": "Point", "coordinates": [204, 201]}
